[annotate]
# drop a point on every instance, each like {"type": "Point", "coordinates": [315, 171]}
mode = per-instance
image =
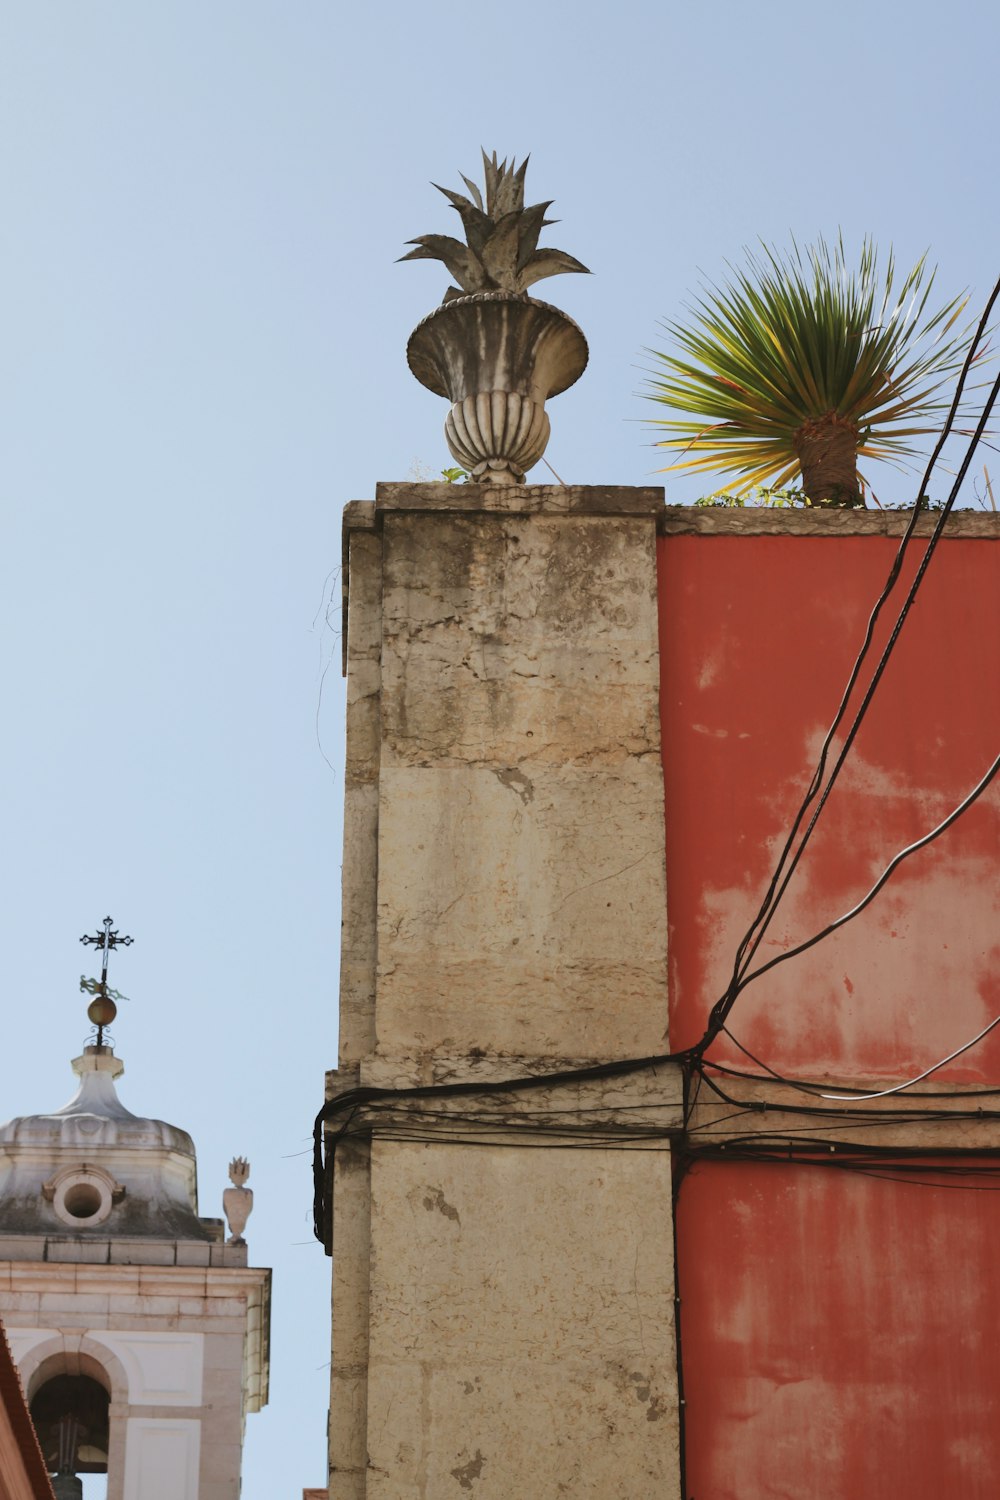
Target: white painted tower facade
{"type": "Point", "coordinates": [141, 1335]}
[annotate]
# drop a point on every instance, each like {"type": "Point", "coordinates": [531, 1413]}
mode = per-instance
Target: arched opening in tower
{"type": "Point", "coordinates": [70, 1413]}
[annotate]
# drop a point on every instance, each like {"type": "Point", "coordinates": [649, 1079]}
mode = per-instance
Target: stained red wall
{"type": "Point", "coordinates": [757, 637]}
{"type": "Point", "coordinates": [839, 1336]}
{"type": "Point", "coordinates": [839, 1332]}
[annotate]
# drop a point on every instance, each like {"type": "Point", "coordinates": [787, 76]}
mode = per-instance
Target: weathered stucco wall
{"type": "Point", "coordinates": [758, 633]}
{"type": "Point", "coordinates": [835, 1324]}
{"type": "Point", "coordinates": [520, 843]}
{"type": "Point", "coordinates": [521, 1323]}
{"type": "Point", "coordinates": [503, 1310]}
{"type": "Point", "coordinates": [839, 1334]}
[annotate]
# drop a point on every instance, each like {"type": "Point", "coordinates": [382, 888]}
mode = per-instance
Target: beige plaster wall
{"type": "Point", "coordinates": [521, 1336]}
{"type": "Point", "coordinates": [520, 798]}
{"type": "Point", "coordinates": [503, 1308]}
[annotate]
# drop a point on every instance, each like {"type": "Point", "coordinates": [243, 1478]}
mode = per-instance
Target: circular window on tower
{"type": "Point", "coordinates": [83, 1197]}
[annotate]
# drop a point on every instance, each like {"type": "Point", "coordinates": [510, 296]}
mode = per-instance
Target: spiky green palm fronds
{"type": "Point", "coordinates": [799, 340]}
{"type": "Point", "coordinates": [501, 252]}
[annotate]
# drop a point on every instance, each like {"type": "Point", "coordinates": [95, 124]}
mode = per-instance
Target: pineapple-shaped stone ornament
{"type": "Point", "coordinates": [490, 348]}
{"type": "Point", "coordinates": [237, 1201]}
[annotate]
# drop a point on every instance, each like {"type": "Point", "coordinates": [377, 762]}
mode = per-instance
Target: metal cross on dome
{"type": "Point", "coordinates": [106, 940]}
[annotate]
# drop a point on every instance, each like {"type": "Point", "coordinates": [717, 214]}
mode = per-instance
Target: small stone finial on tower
{"type": "Point", "coordinates": [496, 354]}
{"type": "Point", "coordinates": [237, 1201]}
{"type": "Point", "coordinates": [102, 1009]}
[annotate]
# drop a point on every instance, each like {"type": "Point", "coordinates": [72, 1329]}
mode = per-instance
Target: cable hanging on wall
{"type": "Point", "coordinates": [822, 784]}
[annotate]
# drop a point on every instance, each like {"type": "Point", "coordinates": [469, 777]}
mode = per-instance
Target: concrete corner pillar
{"type": "Point", "coordinates": [504, 782]}
{"type": "Point", "coordinates": [503, 1310]}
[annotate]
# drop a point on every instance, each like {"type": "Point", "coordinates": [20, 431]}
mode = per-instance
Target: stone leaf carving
{"type": "Point", "coordinates": [501, 252]}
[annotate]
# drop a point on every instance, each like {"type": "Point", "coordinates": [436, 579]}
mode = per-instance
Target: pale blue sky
{"type": "Point", "coordinates": [201, 359]}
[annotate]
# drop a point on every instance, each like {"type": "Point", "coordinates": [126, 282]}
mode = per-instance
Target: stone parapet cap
{"type": "Point", "coordinates": [708, 520]}
{"type": "Point", "coordinates": [501, 500]}
{"type": "Point", "coordinates": [522, 499]}
{"type": "Point", "coordinates": [672, 520]}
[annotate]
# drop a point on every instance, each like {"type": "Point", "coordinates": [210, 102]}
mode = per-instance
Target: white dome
{"type": "Point", "coordinates": [95, 1116]}
{"type": "Point", "coordinates": [93, 1167]}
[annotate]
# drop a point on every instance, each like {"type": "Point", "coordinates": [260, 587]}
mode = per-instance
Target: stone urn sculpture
{"type": "Point", "coordinates": [493, 351]}
{"type": "Point", "coordinates": [237, 1201]}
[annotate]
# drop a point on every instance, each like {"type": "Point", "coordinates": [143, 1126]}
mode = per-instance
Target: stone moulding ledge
{"type": "Point", "coordinates": [672, 520]}
{"type": "Point", "coordinates": [523, 499]}
{"type": "Point", "coordinates": [697, 520]}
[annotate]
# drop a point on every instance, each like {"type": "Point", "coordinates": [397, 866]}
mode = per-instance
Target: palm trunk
{"type": "Point", "coordinates": [827, 449]}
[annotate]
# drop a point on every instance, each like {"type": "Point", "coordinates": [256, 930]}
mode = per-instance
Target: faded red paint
{"type": "Point", "coordinates": [839, 1335]}
{"type": "Point", "coordinates": [758, 634]}
{"type": "Point", "coordinates": [839, 1331]}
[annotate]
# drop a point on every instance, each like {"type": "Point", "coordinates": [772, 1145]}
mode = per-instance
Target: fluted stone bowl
{"type": "Point", "coordinates": [497, 359]}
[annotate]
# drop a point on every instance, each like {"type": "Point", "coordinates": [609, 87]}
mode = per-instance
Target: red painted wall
{"type": "Point", "coordinates": [757, 637]}
{"type": "Point", "coordinates": [840, 1332]}
{"type": "Point", "coordinates": [839, 1336]}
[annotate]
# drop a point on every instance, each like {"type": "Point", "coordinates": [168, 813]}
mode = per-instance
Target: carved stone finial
{"type": "Point", "coordinates": [237, 1201]}
{"type": "Point", "coordinates": [501, 253]}
{"type": "Point", "coordinates": [496, 354]}
{"type": "Point", "coordinates": [239, 1171]}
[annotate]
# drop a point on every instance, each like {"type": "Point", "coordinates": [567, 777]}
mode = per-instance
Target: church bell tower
{"type": "Point", "coordinates": [140, 1332]}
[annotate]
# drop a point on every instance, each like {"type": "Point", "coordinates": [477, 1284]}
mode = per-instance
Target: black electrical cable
{"type": "Point", "coordinates": [780, 877]}
{"type": "Point", "coordinates": [889, 647]}
{"type": "Point", "coordinates": [955, 1161]}
{"type": "Point", "coordinates": [679, 1169]}
{"type": "Point", "coordinates": [472, 1128]}
{"type": "Point", "coordinates": [820, 1124]}
{"type": "Point", "coordinates": [815, 1089]}
{"type": "Point", "coordinates": [464, 1133]}
{"type": "Point", "coordinates": [973, 796]}
{"type": "Point", "coordinates": [910, 1115]}
{"type": "Point", "coordinates": [350, 1100]}
{"type": "Point", "coordinates": [887, 873]}
{"type": "Point", "coordinates": [949, 1169]}
{"type": "Point", "coordinates": [891, 581]}
{"type": "Point", "coordinates": [480, 1128]}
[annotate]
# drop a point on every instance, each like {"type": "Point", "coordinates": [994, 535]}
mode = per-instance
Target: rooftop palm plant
{"type": "Point", "coordinates": [801, 366]}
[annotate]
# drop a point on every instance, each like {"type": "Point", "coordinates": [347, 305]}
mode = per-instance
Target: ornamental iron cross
{"type": "Point", "coordinates": [106, 940]}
